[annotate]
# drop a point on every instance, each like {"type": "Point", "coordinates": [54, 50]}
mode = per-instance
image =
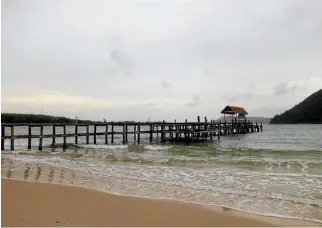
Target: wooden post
{"type": "Point", "coordinates": [193, 128]}
{"type": "Point", "coordinates": [198, 135]}
{"type": "Point", "coordinates": [65, 138]}
{"type": "Point", "coordinates": [76, 132]}
{"type": "Point", "coordinates": [177, 129]}
{"type": "Point", "coordinates": [123, 133]}
{"type": "Point", "coordinates": [106, 135]}
{"type": "Point", "coordinates": [162, 131]}
{"type": "Point", "coordinates": [29, 138]}
{"type": "Point", "coordinates": [206, 127]}
{"type": "Point", "coordinates": [185, 129]}
{"type": "Point", "coordinates": [41, 137]}
{"type": "Point", "coordinates": [54, 139]}
{"type": "Point", "coordinates": [87, 134]}
{"type": "Point", "coordinates": [95, 133]}
{"type": "Point", "coordinates": [126, 130]}
{"type": "Point", "coordinates": [12, 140]}
{"type": "Point", "coordinates": [151, 132]}
{"type": "Point", "coordinates": [134, 132]}
{"type": "Point", "coordinates": [139, 129]}
{"type": "Point", "coordinates": [112, 138]}
{"type": "Point", "coordinates": [2, 135]}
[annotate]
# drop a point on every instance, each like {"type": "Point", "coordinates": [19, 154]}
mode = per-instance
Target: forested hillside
{"type": "Point", "coordinates": [307, 111]}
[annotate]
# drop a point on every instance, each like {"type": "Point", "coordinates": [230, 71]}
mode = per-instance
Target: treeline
{"type": "Point", "coordinates": [308, 111]}
{"type": "Point", "coordinates": [37, 118]}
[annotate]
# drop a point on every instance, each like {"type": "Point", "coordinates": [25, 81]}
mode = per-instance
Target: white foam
{"type": "Point", "coordinates": [156, 147]}
{"type": "Point", "coordinates": [112, 147]}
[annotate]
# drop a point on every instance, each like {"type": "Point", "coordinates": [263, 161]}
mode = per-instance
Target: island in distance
{"type": "Point", "coordinates": [309, 111]}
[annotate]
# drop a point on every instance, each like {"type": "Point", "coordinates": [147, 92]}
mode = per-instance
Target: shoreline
{"type": "Point", "coordinates": [211, 215]}
{"type": "Point", "coordinates": [39, 172]}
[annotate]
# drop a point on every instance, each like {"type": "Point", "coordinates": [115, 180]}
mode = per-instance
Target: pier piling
{"type": "Point", "coordinates": [87, 134]}
{"type": "Point", "coordinates": [41, 137]}
{"type": "Point", "coordinates": [106, 134]}
{"type": "Point", "coordinates": [2, 139]}
{"type": "Point", "coordinates": [76, 137]}
{"type": "Point", "coordinates": [65, 138]}
{"type": "Point", "coordinates": [12, 141]}
{"type": "Point", "coordinates": [54, 133]}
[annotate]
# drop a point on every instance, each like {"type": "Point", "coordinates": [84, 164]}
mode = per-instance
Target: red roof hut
{"type": "Point", "coordinates": [234, 110]}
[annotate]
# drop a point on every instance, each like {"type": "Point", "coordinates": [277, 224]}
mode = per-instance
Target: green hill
{"type": "Point", "coordinates": [309, 111]}
{"type": "Point", "coordinates": [36, 118]}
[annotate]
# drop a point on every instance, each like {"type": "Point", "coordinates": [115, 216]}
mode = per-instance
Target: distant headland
{"type": "Point", "coordinates": [309, 111]}
{"type": "Point", "coordinates": [38, 118]}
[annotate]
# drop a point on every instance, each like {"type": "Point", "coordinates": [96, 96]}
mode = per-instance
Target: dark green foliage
{"type": "Point", "coordinates": [36, 118]}
{"type": "Point", "coordinates": [308, 111]}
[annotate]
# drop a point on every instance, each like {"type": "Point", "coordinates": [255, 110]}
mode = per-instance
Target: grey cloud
{"type": "Point", "coordinates": [283, 88]}
{"type": "Point", "coordinates": [165, 84]}
{"type": "Point", "coordinates": [122, 59]}
{"type": "Point", "coordinates": [150, 104]}
{"type": "Point", "coordinates": [242, 97]}
{"type": "Point", "coordinates": [195, 100]}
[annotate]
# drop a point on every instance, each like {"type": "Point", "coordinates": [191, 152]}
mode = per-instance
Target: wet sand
{"type": "Point", "coordinates": [39, 204]}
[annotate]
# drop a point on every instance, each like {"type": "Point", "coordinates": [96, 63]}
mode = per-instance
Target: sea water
{"type": "Point", "coordinates": [277, 172]}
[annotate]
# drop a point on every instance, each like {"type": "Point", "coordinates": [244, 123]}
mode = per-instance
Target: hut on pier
{"type": "Point", "coordinates": [234, 112]}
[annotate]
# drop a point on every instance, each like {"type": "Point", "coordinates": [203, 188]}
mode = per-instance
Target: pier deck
{"type": "Point", "coordinates": [160, 131]}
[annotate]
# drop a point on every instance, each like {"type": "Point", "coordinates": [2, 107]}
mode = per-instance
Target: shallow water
{"type": "Point", "coordinates": [275, 172]}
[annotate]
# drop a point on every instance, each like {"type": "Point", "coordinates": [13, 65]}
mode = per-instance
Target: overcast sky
{"type": "Point", "coordinates": [169, 59]}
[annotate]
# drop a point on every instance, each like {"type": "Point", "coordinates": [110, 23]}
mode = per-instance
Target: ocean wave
{"type": "Point", "coordinates": [249, 163]}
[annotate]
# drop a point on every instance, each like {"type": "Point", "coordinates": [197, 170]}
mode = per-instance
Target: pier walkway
{"type": "Point", "coordinates": [161, 131]}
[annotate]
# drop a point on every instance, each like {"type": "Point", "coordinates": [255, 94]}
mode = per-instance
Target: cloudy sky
{"type": "Point", "coordinates": [169, 59]}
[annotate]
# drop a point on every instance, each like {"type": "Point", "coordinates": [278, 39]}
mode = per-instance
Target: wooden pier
{"type": "Point", "coordinates": [154, 131]}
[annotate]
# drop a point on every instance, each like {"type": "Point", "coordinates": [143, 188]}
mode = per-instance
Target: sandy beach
{"type": "Point", "coordinates": [40, 204]}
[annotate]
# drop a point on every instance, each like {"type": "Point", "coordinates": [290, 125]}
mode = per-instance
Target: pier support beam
{"type": "Point", "coordinates": [112, 138]}
{"type": "Point", "coordinates": [139, 131]}
{"type": "Point", "coordinates": [95, 134]}
{"type": "Point", "coordinates": [151, 132]}
{"type": "Point", "coordinates": [41, 137]}
{"type": "Point", "coordinates": [2, 134]}
{"type": "Point", "coordinates": [65, 138]}
{"type": "Point", "coordinates": [87, 134]}
{"type": "Point", "coordinates": [54, 139]}
{"type": "Point", "coordinates": [126, 131]}
{"type": "Point", "coordinates": [76, 136]}
{"type": "Point", "coordinates": [29, 138]}
{"type": "Point", "coordinates": [106, 134]}
{"type": "Point", "coordinates": [123, 134]}
{"type": "Point", "coordinates": [12, 140]}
